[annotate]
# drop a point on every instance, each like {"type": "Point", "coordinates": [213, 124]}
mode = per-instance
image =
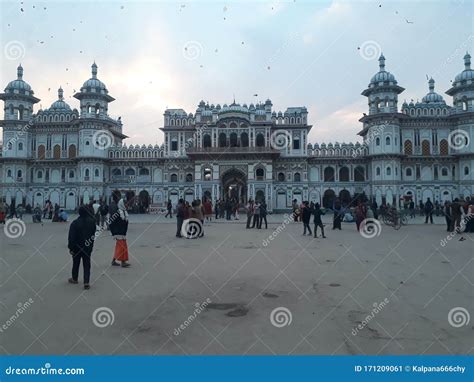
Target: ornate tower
{"type": "Point", "coordinates": [381, 133]}
{"type": "Point", "coordinates": [18, 101]}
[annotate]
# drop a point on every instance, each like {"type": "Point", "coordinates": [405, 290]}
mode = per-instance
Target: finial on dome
{"type": "Point", "coordinates": [19, 72]}
{"type": "Point", "coordinates": [382, 62]}
{"type": "Point", "coordinates": [60, 93]}
{"type": "Point", "coordinates": [467, 61]}
{"type": "Point", "coordinates": [94, 70]}
{"type": "Point", "coordinates": [431, 83]}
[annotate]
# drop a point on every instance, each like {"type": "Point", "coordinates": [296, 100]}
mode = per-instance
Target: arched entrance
{"type": "Point", "coordinates": [328, 198]}
{"type": "Point", "coordinates": [234, 185]}
{"type": "Point", "coordinates": [143, 201]}
{"type": "Point", "coordinates": [345, 197]}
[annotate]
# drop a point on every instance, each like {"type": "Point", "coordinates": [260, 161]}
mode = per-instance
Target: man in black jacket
{"type": "Point", "coordinates": [80, 244]}
{"type": "Point", "coordinates": [179, 217]}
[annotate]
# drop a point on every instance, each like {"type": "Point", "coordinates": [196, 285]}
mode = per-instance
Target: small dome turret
{"type": "Point", "coordinates": [432, 96]}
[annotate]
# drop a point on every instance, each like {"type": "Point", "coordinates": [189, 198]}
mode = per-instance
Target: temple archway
{"type": "Point", "coordinates": [234, 185]}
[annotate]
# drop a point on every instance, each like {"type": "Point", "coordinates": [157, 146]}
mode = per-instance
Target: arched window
{"type": "Point", "coordinates": [9, 173]}
{"type": "Point", "coordinates": [281, 177]}
{"type": "Point", "coordinates": [96, 173]}
{"type": "Point", "coordinates": [143, 172]}
{"type": "Point", "coordinates": [388, 171]}
{"type": "Point", "coordinates": [443, 147]}
{"type": "Point", "coordinates": [71, 174]}
{"type": "Point", "coordinates": [444, 171]}
{"type": "Point", "coordinates": [377, 171]}
{"type": "Point", "coordinates": [189, 177]}
{"type": "Point", "coordinates": [41, 152]}
{"type": "Point", "coordinates": [72, 151]}
{"type": "Point", "coordinates": [466, 170]}
{"type": "Point", "coordinates": [408, 172]}
{"type": "Point", "coordinates": [329, 174]}
{"type": "Point", "coordinates": [20, 146]}
{"type": "Point", "coordinates": [207, 141]}
{"type": "Point", "coordinates": [297, 177]}
{"type": "Point", "coordinates": [86, 173]}
{"type": "Point", "coordinates": [377, 141]}
{"type": "Point", "coordinates": [425, 148]}
{"type": "Point", "coordinates": [260, 174]}
{"type": "Point", "coordinates": [174, 178]}
{"type": "Point", "coordinates": [130, 172]}
{"type": "Point", "coordinates": [408, 147]}
{"type": "Point", "coordinates": [57, 152]}
{"type": "Point", "coordinates": [344, 174]}
{"type": "Point", "coordinates": [387, 141]}
{"type": "Point", "coordinates": [260, 140]}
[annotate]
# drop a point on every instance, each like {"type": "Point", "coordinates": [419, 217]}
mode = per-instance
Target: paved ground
{"type": "Point", "coordinates": [321, 292]}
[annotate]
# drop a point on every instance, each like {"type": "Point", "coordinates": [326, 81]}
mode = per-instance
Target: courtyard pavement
{"type": "Point", "coordinates": [236, 291]}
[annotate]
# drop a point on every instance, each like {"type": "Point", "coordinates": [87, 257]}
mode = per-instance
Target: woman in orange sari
{"type": "Point", "coordinates": [118, 228]}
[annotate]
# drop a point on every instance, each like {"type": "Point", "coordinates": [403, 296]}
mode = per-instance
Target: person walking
{"type": "Point", "coordinates": [179, 217]}
{"type": "Point", "coordinates": [207, 206]}
{"type": "Point", "coordinates": [250, 211]}
{"type": "Point", "coordinates": [338, 215]}
{"type": "Point", "coordinates": [447, 215]}
{"type": "Point", "coordinates": [256, 215]}
{"type": "Point", "coordinates": [169, 208]}
{"type": "Point", "coordinates": [306, 217]}
{"type": "Point", "coordinates": [263, 214]}
{"type": "Point", "coordinates": [361, 214]}
{"type": "Point", "coordinates": [429, 211]}
{"type": "Point", "coordinates": [96, 209]}
{"type": "Point", "coordinates": [198, 213]}
{"type": "Point", "coordinates": [80, 244]}
{"type": "Point", "coordinates": [103, 210]}
{"type": "Point", "coordinates": [119, 228]}
{"type": "Point", "coordinates": [3, 212]}
{"type": "Point", "coordinates": [12, 210]}
{"type": "Point", "coordinates": [411, 207]}
{"type": "Point", "coordinates": [318, 212]}
{"type": "Point", "coordinates": [295, 209]}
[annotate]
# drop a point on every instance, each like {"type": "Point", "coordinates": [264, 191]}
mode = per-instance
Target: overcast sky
{"type": "Point", "coordinates": [153, 55]}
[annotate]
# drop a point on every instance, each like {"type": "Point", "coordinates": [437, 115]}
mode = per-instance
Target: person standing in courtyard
{"type": "Point", "coordinates": [103, 210]}
{"type": "Point", "coordinates": [361, 214]}
{"type": "Point", "coordinates": [3, 212]}
{"type": "Point", "coordinates": [207, 206]}
{"type": "Point", "coordinates": [318, 212]}
{"type": "Point", "coordinates": [429, 211]}
{"type": "Point", "coordinates": [306, 217]}
{"type": "Point", "coordinates": [338, 215]}
{"type": "Point", "coordinates": [81, 243]}
{"type": "Point", "coordinates": [250, 210]}
{"type": "Point", "coordinates": [179, 217]}
{"type": "Point", "coordinates": [169, 208]}
{"type": "Point", "coordinates": [263, 214]}
{"type": "Point", "coordinates": [118, 229]}
{"type": "Point", "coordinates": [256, 215]}
{"type": "Point", "coordinates": [447, 215]}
